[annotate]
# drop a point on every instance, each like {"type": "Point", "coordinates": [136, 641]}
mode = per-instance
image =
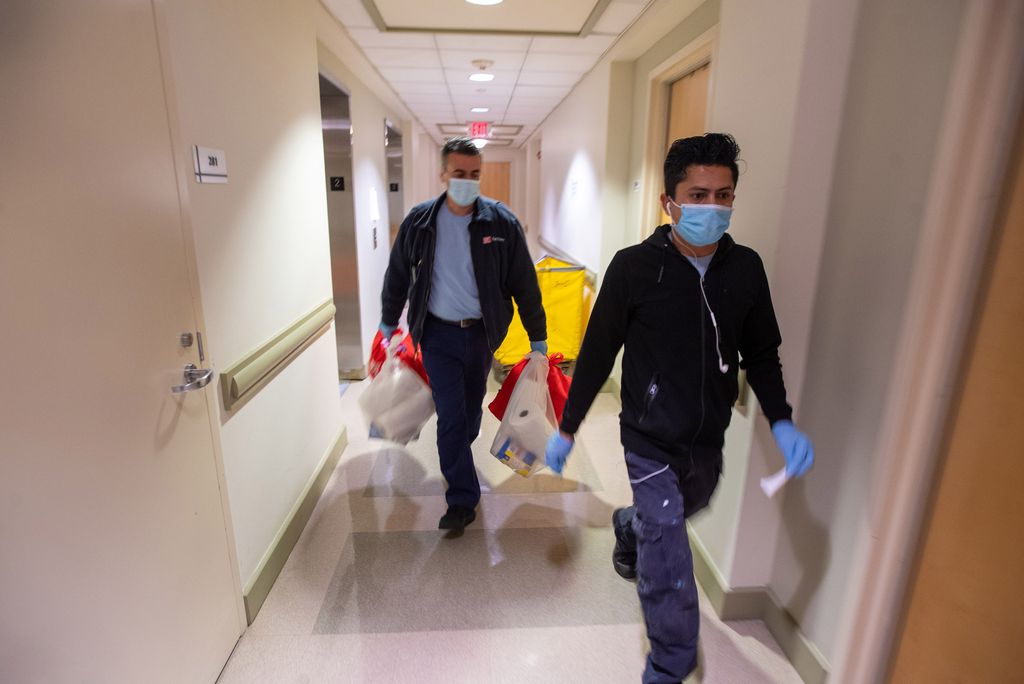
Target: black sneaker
{"type": "Point", "coordinates": [456, 518]}
{"type": "Point", "coordinates": [624, 555]}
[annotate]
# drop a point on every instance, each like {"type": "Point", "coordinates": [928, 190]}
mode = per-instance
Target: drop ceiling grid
{"type": "Point", "coordinates": [430, 70]}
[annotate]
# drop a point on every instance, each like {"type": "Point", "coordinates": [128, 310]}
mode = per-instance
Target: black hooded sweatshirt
{"type": "Point", "coordinates": [675, 396]}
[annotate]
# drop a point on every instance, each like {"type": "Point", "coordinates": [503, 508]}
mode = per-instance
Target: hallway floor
{"type": "Point", "coordinates": [373, 592]}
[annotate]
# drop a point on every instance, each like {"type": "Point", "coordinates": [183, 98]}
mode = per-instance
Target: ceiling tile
{"type": "Point", "coordinates": [420, 58]}
{"type": "Point", "coordinates": [463, 59]}
{"type": "Point", "coordinates": [461, 77]}
{"type": "Point", "coordinates": [475, 90]}
{"type": "Point", "coordinates": [590, 45]}
{"type": "Point", "coordinates": [428, 109]}
{"type": "Point", "coordinates": [399, 75]}
{"type": "Point", "coordinates": [552, 78]}
{"type": "Point", "coordinates": [555, 61]}
{"type": "Point", "coordinates": [541, 92]}
{"type": "Point", "coordinates": [458, 41]}
{"type": "Point", "coordinates": [530, 103]}
{"type": "Point", "coordinates": [531, 16]}
{"type": "Point", "coordinates": [617, 16]}
{"type": "Point", "coordinates": [421, 88]}
{"type": "Point", "coordinates": [368, 38]}
{"type": "Point", "coordinates": [351, 13]}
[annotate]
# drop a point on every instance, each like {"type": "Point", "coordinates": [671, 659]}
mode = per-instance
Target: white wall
{"type": "Point", "coordinates": [369, 171]}
{"type": "Point", "coordinates": [900, 65]}
{"type": "Point", "coordinates": [423, 169]}
{"type": "Point", "coordinates": [756, 72]}
{"type": "Point", "coordinates": [245, 81]}
{"type": "Point", "coordinates": [517, 176]}
{"type": "Point", "coordinates": [573, 146]}
{"type": "Point", "coordinates": [835, 235]}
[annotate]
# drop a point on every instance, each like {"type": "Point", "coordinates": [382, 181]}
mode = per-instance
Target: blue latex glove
{"type": "Point", "coordinates": [795, 446]}
{"type": "Point", "coordinates": [557, 451]}
{"type": "Point", "coordinates": [387, 330]}
{"type": "Point", "coordinates": [539, 346]}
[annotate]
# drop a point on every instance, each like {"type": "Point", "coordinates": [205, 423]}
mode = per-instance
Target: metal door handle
{"type": "Point", "coordinates": [195, 378]}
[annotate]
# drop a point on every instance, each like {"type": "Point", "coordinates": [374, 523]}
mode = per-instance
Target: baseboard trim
{"type": "Point", "coordinates": [759, 603]}
{"type": "Point", "coordinates": [258, 588]}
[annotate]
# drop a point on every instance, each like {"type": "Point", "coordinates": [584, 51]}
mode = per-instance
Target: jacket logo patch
{"type": "Point", "coordinates": [488, 239]}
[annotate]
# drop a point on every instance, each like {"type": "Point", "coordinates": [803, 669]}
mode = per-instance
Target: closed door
{"type": "Point", "coordinates": [965, 619]}
{"type": "Point", "coordinates": [116, 561]}
{"type": "Point", "coordinates": [495, 181]}
{"type": "Point", "coordinates": [687, 107]}
{"type": "Point", "coordinates": [688, 104]}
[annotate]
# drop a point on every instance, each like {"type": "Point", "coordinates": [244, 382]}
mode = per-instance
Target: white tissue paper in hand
{"type": "Point", "coordinates": [773, 483]}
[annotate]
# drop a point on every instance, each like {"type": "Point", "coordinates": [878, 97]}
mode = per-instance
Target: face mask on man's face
{"type": "Point", "coordinates": [701, 224]}
{"type": "Point", "coordinates": [463, 191]}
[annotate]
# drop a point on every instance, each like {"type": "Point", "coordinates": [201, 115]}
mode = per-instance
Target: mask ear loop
{"type": "Point", "coordinates": [722, 365]}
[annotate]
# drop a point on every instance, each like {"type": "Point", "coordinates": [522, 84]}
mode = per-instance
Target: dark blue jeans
{"type": "Point", "coordinates": [457, 361]}
{"type": "Point", "coordinates": [664, 564]}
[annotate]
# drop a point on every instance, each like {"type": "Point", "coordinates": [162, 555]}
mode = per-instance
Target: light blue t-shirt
{"type": "Point", "coordinates": [453, 292]}
{"type": "Point", "coordinates": [701, 263]}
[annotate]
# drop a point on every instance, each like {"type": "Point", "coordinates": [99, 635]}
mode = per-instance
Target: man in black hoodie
{"type": "Point", "coordinates": [690, 307]}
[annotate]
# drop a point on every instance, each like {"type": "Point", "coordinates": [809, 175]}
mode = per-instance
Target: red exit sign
{"type": "Point", "coordinates": [479, 129]}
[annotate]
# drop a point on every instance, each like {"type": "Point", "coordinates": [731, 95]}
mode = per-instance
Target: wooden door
{"type": "Point", "coordinates": [687, 107]}
{"type": "Point", "coordinates": [688, 104]}
{"type": "Point", "coordinates": [116, 554]}
{"type": "Point", "coordinates": [965, 620]}
{"type": "Point", "coordinates": [495, 181]}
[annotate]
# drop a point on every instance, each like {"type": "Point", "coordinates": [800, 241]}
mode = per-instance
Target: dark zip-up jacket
{"type": "Point", "coordinates": [501, 264]}
{"type": "Point", "coordinates": [675, 398]}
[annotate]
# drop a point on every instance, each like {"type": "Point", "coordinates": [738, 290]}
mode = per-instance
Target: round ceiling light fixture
{"type": "Point", "coordinates": [480, 143]}
{"type": "Point", "coordinates": [485, 2]}
{"type": "Point", "coordinates": [482, 76]}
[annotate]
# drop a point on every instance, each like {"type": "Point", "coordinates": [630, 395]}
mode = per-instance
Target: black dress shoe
{"type": "Point", "coordinates": [624, 555]}
{"type": "Point", "coordinates": [456, 518]}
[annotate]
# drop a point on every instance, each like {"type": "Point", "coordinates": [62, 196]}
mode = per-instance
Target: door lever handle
{"type": "Point", "coordinates": [195, 378]}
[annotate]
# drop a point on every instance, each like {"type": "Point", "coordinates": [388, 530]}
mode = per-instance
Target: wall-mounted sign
{"type": "Point", "coordinates": [394, 187]}
{"type": "Point", "coordinates": [337, 183]}
{"type": "Point", "coordinates": [210, 165]}
{"type": "Point", "coordinates": [479, 129]}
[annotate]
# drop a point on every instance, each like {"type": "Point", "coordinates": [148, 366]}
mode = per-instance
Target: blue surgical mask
{"type": "Point", "coordinates": [701, 224]}
{"type": "Point", "coordinates": [463, 191]}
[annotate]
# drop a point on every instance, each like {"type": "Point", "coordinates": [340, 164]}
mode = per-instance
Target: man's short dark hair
{"type": "Point", "coordinates": [710, 149]}
{"type": "Point", "coordinates": [460, 145]}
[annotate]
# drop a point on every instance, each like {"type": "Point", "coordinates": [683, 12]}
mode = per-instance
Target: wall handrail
{"type": "Point", "coordinates": [242, 377]}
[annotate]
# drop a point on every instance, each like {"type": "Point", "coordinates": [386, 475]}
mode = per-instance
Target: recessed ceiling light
{"type": "Point", "coordinates": [482, 78]}
{"type": "Point", "coordinates": [479, 142]}
{"type": "Point", "coordinates": [484, 2]}
{"type": "Point", "coordinates": [480, 110]}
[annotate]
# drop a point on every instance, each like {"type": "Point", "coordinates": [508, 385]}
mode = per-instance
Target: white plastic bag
{"type": "Point", "coordinates": [529, 420]}
{"type": "Point", "coordinates": [397, 404]}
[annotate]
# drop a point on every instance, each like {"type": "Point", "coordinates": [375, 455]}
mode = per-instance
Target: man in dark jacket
{"type": "Point", "coordinates": [690, 307]}
{"type": "Point", "coordinates": [459, 260]}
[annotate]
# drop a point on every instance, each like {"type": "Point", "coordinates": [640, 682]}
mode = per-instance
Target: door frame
{"type": "Point", "coordinates": [701, 51]}
{"type": "Point", "coordinates": [183, 173]}
{"type": "Point", "coordinates": [983, 104]}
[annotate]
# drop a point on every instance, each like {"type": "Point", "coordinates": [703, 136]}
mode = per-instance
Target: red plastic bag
{"type": "Point", "coordinates": [407, 352]}
{"type": "Point", "coordinates": [558, 386]}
